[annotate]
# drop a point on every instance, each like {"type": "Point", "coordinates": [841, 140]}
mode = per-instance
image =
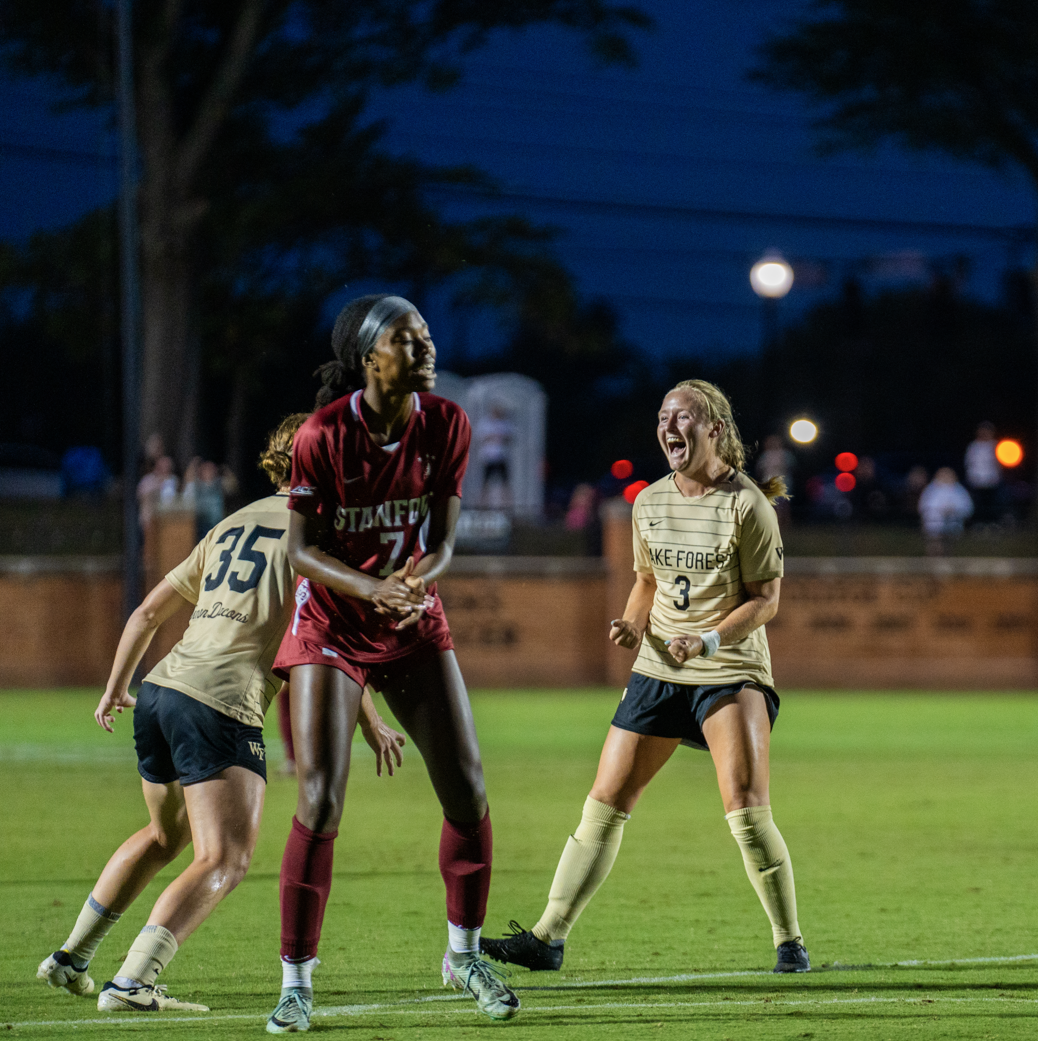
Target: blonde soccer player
{"type": "Point", "coordinates": [708, 565]}
{"type": "Point", "coordinates": [197, 726]}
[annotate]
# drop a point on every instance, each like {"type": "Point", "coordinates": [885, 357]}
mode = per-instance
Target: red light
{"type": "Point", "coordinates": [632, 490]}
{"type": "Point", "coordinates": [845, 482]}
{"type": "Point", "coordinates": [846, 461]}
{"type": "Point", "coordinates": [622, 469]}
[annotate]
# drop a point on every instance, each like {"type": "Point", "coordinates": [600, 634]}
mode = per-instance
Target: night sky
{"type": "Point", "coordinates": [665, 182]}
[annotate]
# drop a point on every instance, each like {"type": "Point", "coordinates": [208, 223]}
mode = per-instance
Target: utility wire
{"type": "Point", "coordinates": [675, 211]}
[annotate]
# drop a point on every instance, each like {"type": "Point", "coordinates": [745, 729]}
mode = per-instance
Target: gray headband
{"type": "Point", "coordinates": [379, 319]}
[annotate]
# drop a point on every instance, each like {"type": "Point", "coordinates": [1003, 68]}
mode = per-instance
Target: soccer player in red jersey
{"type": "Point", "coordinates": [375, 498]}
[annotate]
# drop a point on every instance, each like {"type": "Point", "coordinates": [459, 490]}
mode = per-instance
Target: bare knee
{"type": "Point", "coordinates": [225, 865]}
{"type": "Point", "coordinates": [169, 839]}
{"type": "Point", "coordinates": [467, 801]}
{"type": "Point", "coordinates": [742, 789]}
{"type": "Point", "coordinates": [320, 801]}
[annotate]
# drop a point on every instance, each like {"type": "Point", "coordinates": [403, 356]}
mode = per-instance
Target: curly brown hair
{"type": "Point", "coordinates": [276, 458]}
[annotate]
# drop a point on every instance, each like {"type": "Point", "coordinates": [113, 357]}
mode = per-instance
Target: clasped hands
{"type": "Point", "coordinates": [402, 597]}
{"type": "Point", "coordinates": [681, 648]}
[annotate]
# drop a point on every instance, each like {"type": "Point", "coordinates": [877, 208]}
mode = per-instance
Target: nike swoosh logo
{"type": "Point", "coordinates": [652, 524]}
{"type": "Point", "coordinates": [350, 480]}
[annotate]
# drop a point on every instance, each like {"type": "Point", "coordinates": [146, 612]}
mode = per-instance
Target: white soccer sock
{"type": "Point", "coordinates": [462, 940]}
{"type": "Point", "coordinates": [298, 974]}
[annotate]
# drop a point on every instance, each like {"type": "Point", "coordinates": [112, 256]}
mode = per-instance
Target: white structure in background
{"type": "Point", "coordinates": [506, 462]}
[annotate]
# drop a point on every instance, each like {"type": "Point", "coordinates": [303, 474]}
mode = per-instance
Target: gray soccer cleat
{"type": "Point", "coordinates": [292, 1015]}
{"type": "Point", "coordinates": [142, 999]}
{"type": "Point", "coordinates": [469, 973]}
{"type": "Point", "coordinates": [57, 970]}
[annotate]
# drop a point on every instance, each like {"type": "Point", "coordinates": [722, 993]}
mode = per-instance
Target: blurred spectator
{"type": "Point", "coordinates": [915, 481]}
{"type": "Point", "coordinates": [944, 507]}
{"type": "Point", "coordinates": [154, 450]}
{"type": "Point", "coordinates": [775, 460]}
{"type": "Point", "coordinates": [83, 471]}
{"type": "Point", "coordinates": [869, 499]}
{"type": "Point", "coordinates": [203, 491]}
{"type": "Point", "coordinates": [493, 436]}
{"type": "Point", "coordinates": [827, 501]}
{"type": "Point", "coordinates": [984, 474]}
{"type": "Point", "coordinates": [157, 488]}
{"type": "Point", "coordinates": [582, 508]}
{"type": "Point", "coordinates": [228, 481]}
{"type": "Point", "coordinates": [582, 515]}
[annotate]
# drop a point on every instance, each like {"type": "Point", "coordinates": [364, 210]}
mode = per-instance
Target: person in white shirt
{"type": "Point", "coordinates": [944, 507]}
{"type": "Point", "coordinates": [984, 473]}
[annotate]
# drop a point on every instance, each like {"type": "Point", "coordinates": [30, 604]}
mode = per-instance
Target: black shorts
{"type": "Point", "coordinates": [660, 709]}
{"type": "Point", "coordinates": [181, 739]}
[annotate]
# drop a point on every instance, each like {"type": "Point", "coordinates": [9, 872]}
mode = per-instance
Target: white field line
{"type": "Point", "coordinates": [835, 967]}
{"type": "Point", "coordinates": [407, 1006]}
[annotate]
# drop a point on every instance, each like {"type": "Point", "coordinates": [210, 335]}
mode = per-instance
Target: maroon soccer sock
{"type": "Point", "coordinates": [285, 724]}
{"type": "Point", "coordinates": [466, 852]}
{"type": "Point", "coordinates": [306, 880]}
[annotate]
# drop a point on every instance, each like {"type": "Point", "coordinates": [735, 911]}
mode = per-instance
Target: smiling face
{"type": "Point", "coordinates": [404, 357]}
{"type": "Point", "coordinates": [689, 441]}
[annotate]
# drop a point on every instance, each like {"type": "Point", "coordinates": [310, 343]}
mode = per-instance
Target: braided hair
{"type": "Point", "coordinates": [352, 339]}
{"type": "Point", "coordinates": [713, 406]}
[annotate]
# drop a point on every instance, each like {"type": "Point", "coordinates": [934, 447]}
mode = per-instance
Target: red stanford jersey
{"type": "Point", "coordinates": [376, 501]}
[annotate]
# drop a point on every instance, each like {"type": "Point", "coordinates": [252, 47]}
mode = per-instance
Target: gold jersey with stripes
{"type": "Point", "coordinates": [239, 579]}
{"type": "Point", "coordinates": [702, 551]}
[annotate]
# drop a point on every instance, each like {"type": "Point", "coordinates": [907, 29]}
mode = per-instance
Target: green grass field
{"type": "Point", "coordinates": [912, 821]}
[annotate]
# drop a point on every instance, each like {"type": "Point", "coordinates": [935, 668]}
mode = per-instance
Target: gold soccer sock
{"type": "Point", "coordinates": [151, 952]}
{"type": "Point", "coordinates": [768, 866]}
{"type": "Point", "coordinates": [585, 863]}
{"type": "Point", "coordinates": [90, 929]}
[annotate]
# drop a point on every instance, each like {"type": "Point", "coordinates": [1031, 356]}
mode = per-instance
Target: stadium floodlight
{"type": "Point", "coordinates": [771, 277]}
{"type": "Point", "coordinates": [803, 431]}
{"type": "Point", "coordinates": [1009, 452]}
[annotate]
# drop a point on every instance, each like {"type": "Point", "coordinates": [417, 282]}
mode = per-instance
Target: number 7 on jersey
{"type": "Point", "coordinates": [397, 538]}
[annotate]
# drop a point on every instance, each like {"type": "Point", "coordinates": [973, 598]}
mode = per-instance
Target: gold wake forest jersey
{"type": "Point", "coordinates": [239, 579]}
{"type": "Point", "coordinates": [701, 551]}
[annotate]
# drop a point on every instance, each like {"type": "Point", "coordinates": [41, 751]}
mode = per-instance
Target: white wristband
{"type": "Point", "coordinates": [711, 641]}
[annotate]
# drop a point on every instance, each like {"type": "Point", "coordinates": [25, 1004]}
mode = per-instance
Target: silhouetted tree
{"type": "Point", "coordinates": [959, 76]}
{"type": "Point", "coordinates": [256, 160]}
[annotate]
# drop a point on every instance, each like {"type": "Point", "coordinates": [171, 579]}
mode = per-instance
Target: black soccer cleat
{"type": "Point", "coordinates": [523, 948]}
{"type": "Point", "coordinates": [792, 957]}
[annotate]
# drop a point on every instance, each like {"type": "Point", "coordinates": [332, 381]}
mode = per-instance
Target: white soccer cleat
{"type": "Point", "coordinates": [469, 973]}
{"type": "Point", "coordinates": [142, 999]}
{"type": "Point", "coordinates": [292, 1015]}
{"type": "Point", "coordinates": [57, 970]}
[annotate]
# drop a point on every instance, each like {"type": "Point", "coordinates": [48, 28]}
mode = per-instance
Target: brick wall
{"type": "Point", "coordinates": [541, 621]}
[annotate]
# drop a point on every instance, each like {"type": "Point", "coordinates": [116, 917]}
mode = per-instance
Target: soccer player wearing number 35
{"type": "Point", "coordinates": [197, 725]}
{"type": "Point", "coordinates": [708, 563]}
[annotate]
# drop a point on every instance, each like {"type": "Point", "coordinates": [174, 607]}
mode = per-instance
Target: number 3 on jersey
{"type": "Point", "coordinates": [397, 538]}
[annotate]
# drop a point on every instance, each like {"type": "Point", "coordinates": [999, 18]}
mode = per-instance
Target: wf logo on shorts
{"type": "Point", "coordinates": [256, 749]}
